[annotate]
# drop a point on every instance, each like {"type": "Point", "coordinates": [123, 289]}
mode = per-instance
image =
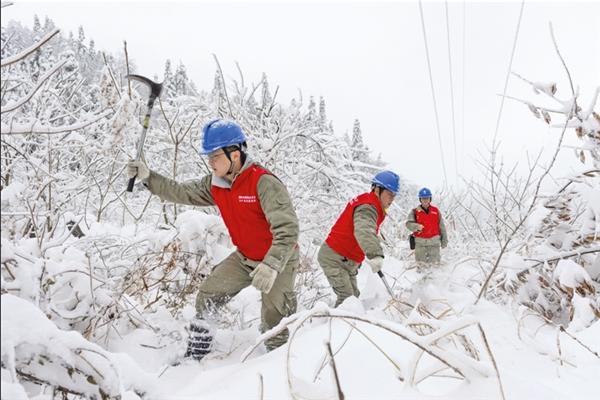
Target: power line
{"type": "Point", "coordinates": [464, 63]}
{"type": "Point", "coordinates": [512, 54]}
{"type": "Point", "coordinates": [451, 89]}
{"type": "Point", "coordinates": [437, 119]}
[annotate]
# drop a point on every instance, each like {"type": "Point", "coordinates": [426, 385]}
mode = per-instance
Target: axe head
{"type": "Point", "coordinates": [155, 88]}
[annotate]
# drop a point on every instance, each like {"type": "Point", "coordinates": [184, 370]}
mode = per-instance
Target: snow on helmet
{"type": "Point", "coordinates": [221, 133]}
{"type": "Point", "coordinates": [424, 193]}
{"type": "Point", "coordinates": [387, 180]}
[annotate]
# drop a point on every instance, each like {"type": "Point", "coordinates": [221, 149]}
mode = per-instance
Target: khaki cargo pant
{"type": "Point", "coordinates": [232, 275]}
{"type": "Point", "coordinates": [427, 251]}
{"type": "Point", "coordinates": [340, 272]}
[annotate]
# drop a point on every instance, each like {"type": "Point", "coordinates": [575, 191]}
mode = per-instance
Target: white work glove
{"type": "Point", "coordinates": [138, 168]}
{"type": "Point", "coordinates": [263, 277]}
{"type": "Point", "coordinates": [375, 263]}
{"type": "Point", "coordinates": [419, 228]}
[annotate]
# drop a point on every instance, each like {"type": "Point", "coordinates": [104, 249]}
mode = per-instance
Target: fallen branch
{"type": "Point", "coordinates": [489, 350]}
{"type": "Point", "coordinates": [335, 373]}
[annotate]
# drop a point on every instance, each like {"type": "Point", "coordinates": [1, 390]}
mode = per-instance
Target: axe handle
{"type": "Point", "coordinates": [387, 286]}
{"type": "Point", "coordinates": [142, 139]}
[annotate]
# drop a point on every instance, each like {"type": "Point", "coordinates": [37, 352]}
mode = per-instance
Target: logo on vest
{"type": "Point", "coordinates": [247, 199]}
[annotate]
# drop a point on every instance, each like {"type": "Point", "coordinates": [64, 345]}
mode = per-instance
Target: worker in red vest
{"type": "Point", "coordinates": [427, 226]}
{"type": "Point", "coordinates": [258, 213]}
{"type": "Point", "coordinates": [354, 236]}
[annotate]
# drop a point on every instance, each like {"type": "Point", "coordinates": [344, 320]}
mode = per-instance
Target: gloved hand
{"type": "Point", "coordinates": [263, 277]}
{"type": "Point", "coordinates": [444, 244]}
{"type": "Point", "coordinates": [138, 168]}
{"type": "Point", "coordinates": [419, 228]}
{"type": "Point", "coordinates": [375, 263]}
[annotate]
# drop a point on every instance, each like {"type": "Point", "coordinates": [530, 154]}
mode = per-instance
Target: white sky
{"type": "Point", "coordinates": [368, 61]}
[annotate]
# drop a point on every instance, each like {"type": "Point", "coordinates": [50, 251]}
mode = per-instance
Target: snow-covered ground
{"type": "Point", "coordinates": [376, 357]}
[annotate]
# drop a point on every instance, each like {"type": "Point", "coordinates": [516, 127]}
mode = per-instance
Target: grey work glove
{"type": "Point", "coordinates": [419, 228]}
{"type": "Point", "coordinates": [375, 263]}
{"type": "Point", "coordinates": [263, 277]}
{"type": "Point", "coordinates": [138, 168]}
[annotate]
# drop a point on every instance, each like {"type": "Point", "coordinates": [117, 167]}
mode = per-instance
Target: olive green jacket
{"type": "Point", "coordinates": [365, 230]}
{"type": "Point", "coordinates": [272, 194]}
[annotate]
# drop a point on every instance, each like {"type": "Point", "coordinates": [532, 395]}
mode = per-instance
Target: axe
{"type": "Point", "coordinates": [155, 89]}
{"type": "Point", "coordinates": [386, 284]}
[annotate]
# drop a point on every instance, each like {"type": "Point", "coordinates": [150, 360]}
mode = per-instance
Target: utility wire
{"type": "Point", "coordinates": [464, 63]}
{"type": "Point", "coordinates": [512, 54]}
{"type": "Point", "coordinates": [437, 119]}
{"type": "Point", "coordinates": [451, 89]}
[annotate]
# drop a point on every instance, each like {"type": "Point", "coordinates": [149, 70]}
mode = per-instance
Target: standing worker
{"type": "Point", "coordinates": [258, 213]}
{"type": "Point", "coordinates": [427, 226]}
{"type": "Point", "coordinates": [354, 236]}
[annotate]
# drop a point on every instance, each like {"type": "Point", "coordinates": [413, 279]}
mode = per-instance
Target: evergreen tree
{"type": "Point", "coordinates": [358, 148]}
{"type": "Point", "coordinates": [312, 109]}
{"type": "Point", "coordinates": [80, 40]}
{"type": "Point", "coordinates": [266, 94]}
{"type": "Point", "coordinates": [91, 48]}
{"type": "Point", "coordinates": [48, 25]}
{"type": "Point", "coordinates": [37, 27]}
{"type": "Point", "coordinates": [169, 84]}
{"type": "Point", "coordinates": [322, 113]}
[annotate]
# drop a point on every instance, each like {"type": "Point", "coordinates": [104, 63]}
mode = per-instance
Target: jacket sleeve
{"type": "Point", "coordinates": [365, 230]}
{"type": "Point", "coordinates": [193, 193]}
{"type": "Point", "coordinates": [443, 234]}
{"type": "Point", "coordinates": [279, 211]}
{"type": "Point", "coordinates": [411, 222]}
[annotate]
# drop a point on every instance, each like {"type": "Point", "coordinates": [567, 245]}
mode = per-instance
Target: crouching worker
{"type": "Point", "coordinates": [258, 213]}
{"type": "Point", "coordinates": [354, 235]}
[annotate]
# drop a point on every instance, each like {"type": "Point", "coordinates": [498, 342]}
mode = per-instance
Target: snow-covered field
{"type": "Point", "coordinates": [374, 340]}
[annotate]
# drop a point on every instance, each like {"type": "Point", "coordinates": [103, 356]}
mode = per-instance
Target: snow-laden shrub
{"type": "Point", "coordinates": [34, 350]}
{"type": "Point", "coordinates": [557, 273]}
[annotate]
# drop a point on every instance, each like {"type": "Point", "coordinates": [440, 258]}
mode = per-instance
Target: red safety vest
{"type": "Point", "coordinates": [243, 215]}
{"type": "Point", "coordinates": [341, 238]}
{"type": "Point", "coordinates": [430, 221]}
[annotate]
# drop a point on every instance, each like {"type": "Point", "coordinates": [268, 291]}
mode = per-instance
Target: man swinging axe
{"type": "Point", "coordinates": [261, 221]}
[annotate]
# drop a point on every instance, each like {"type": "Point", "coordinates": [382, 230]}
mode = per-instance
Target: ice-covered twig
{"type": "Point", "coordinates": [567, 254]}
{"type": "Point", "coordinates": [17, 57]}
{"type": "Point", "coordinates": [18, 103]}
{"type": "Point", "coordinates": [23, 129]}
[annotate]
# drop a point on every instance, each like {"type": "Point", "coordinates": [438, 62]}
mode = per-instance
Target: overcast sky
{"type": "Point", "coordinates": [367, 59]}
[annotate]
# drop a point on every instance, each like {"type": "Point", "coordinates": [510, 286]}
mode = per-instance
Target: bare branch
{"type": "Point", "coordinates": [15, 105]}
{"type": "Point", "coordinates": [224, 86]}
{"type": "Point", "coordinates": [335, 372]}
{"type": "Point", "coordinates": [22, 129]}
{"type": "Point", "coordinates": [17, 57]}
{"type": "Point", "coordinates": [489, 350]}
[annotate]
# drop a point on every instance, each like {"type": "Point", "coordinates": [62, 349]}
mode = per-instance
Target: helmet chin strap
{"type": "Point", "coordinates": [228, 155]}
{"type": "Point", "coordinates": [230, 171]}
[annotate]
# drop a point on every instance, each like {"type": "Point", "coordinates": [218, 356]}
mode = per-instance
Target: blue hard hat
{"type": "Point", "coordinates": [387, 180]}
{"type": "Point", "coordinates": [221, 133]}
{"type": "Point", "coordinates": [424, 193]}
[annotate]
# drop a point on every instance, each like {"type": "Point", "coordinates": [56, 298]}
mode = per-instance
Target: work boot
{"type": "Point", "coordinates": [200, 340]}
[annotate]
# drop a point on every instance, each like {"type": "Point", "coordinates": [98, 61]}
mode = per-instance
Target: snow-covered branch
{"type": "Point", "coordinates": [16, 104]}
{"type": "Point", "coordinates": [18, 57]}
{"type": "Point", "coordinates": [23, 129]}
